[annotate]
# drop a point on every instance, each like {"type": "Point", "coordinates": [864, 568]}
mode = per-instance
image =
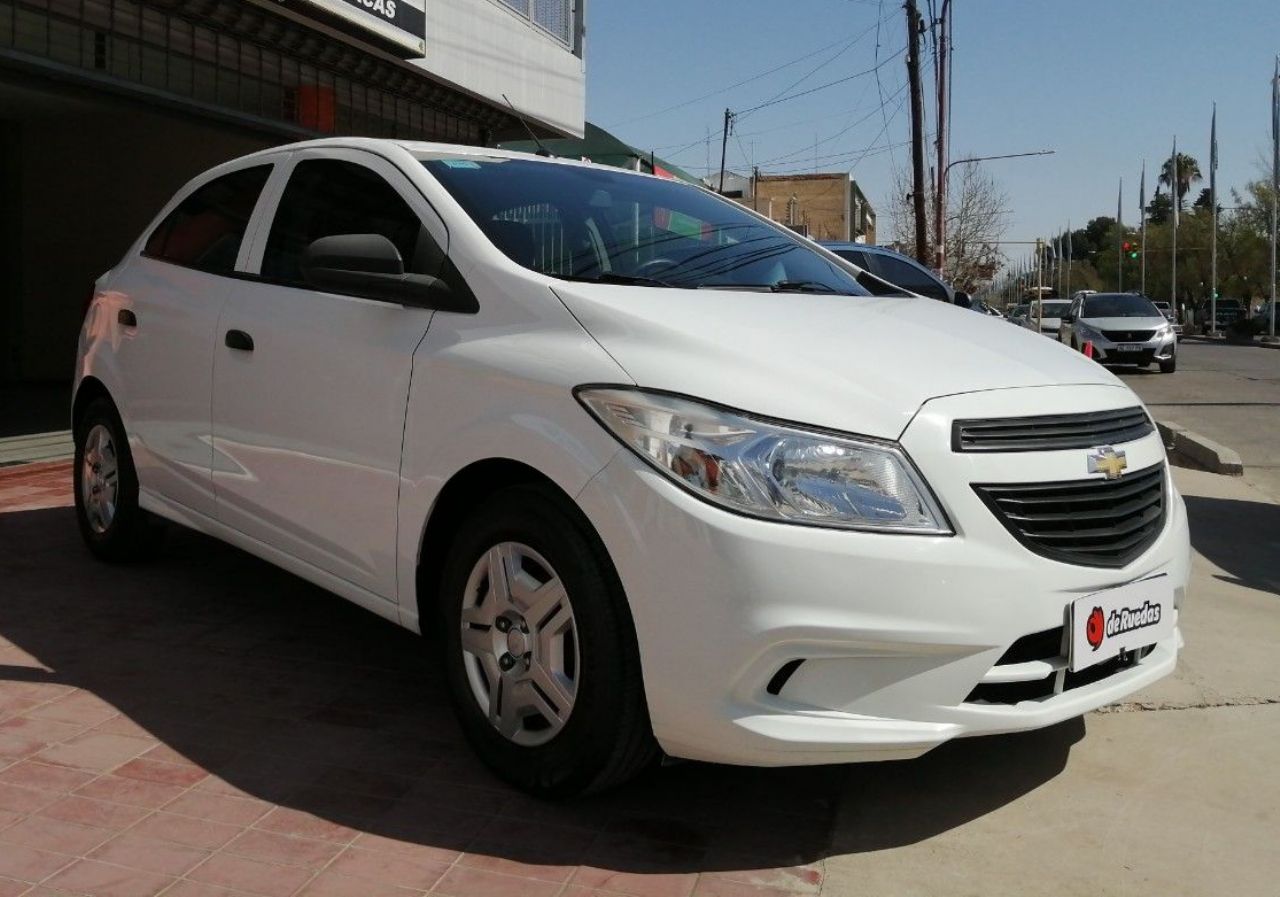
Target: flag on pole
{"type": "Point", "coordinates": [1142, 194]}
{"type": "Point", "coordinates": [1213, 220]}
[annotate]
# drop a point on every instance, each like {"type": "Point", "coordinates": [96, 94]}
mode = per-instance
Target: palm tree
{"type": "Point", "coordinates": [1188, 174]}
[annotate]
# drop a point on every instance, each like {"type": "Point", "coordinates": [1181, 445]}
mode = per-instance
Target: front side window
{"type": "Point", "coordinates": [581, 223]}
{"type": "Point", "coordinates": [909, 277]}
{"type": "Point", "coordinates": [327, 197]}
{"type": "Point", "coordinates": [1119, 305]}
{"type": "Point", "coordinates": [206, 229]}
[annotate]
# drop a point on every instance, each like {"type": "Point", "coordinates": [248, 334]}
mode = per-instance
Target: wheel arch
{"type": "Point", "coordinates": [89, 389]}
{"type": "Point", "coordinates": [466, 488]}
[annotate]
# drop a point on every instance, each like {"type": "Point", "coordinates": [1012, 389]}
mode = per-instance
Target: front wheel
{"type": "Point", "coordinates": [112, 524]}
{"type": "Point", "coordinates": [540, 649]}
{"type": "Point", "coordinates": [1168, 367]}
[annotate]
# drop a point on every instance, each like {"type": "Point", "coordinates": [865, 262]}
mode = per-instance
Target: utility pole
{"type": "Point", "coordinates": [724, 145]}
{"type": "Point", "coordinates": [917, 131]}
{"type": "Point", "coordinates": [940, 191]}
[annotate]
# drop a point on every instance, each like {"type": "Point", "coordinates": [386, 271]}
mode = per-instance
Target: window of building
{"type": "Point", "coordinates": [327, 197]}
{"type": "Point", "coordinates": [206, 229]}
{"type": "Point", "coordinates": [554, 16]}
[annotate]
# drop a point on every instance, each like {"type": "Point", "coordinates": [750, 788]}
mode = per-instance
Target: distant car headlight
{"type": "Point", "coordinates": [1090, 333]}
{"type": "Point", "coordinates": [770, 470]}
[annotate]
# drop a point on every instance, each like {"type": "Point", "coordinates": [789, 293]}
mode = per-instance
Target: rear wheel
{"type": "Point", "coordinates": [540, 650]}
{"type": "Point", "coordinates": [112, 524]}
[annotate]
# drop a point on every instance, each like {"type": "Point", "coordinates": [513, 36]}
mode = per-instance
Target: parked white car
{"type": "Point", "coordinates": [1122, 328]}
{"type": "Point", "coordinates": [664, 474]}
{"type": "Point", "coordinates": [1045, 317]}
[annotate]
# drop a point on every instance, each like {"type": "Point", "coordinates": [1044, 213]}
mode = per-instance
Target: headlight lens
{"type": "Point", "coordinates": [1089, 333]}
{"type": "Point", "coordinates": [770, 470]}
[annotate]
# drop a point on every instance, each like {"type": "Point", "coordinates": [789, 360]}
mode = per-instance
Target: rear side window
{"type": "Point", "coordinates": [206, 229]}
{"type": "Point", "coordinates": [327, 197]}
{"type": "Point", "coordinates": [910, 277]}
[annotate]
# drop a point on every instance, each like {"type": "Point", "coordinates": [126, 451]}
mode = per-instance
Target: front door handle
{"type": "Point", "coordinates": [238, 339]}
{"type": "Point", "coordinates": [127, 318]}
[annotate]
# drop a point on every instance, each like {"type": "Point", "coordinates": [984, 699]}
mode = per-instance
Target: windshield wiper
{"type": "Point", "coordinates": [801, 286]}
{"type": "Point", "coordinates": [625, 279]}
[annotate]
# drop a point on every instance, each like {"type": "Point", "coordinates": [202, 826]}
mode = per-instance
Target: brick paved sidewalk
{"type": "Point", "coordinates": [30, 487]}
{"type": "Point", "coordinates": [206, 725]}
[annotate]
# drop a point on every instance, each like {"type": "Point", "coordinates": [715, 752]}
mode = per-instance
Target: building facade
{"type": "Point", "coordinates": [108, 106]}
{"type": "Point", "coordinates": [821, 206]}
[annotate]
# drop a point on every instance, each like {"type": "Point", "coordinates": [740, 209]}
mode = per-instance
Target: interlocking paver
{"type": "Point", "coordinates": [229, 730]}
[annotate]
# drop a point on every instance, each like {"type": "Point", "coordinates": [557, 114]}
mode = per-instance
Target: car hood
{"type": "Point", "coordinates": [1147, 323]}
{"type": "Point", "coordinates": [851, 363]}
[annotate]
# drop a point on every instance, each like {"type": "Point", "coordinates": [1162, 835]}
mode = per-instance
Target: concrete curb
{"type": "Point", "coordinates": [1202, 450]}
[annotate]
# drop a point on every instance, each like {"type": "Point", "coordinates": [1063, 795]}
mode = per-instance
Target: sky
{"type": "Point", "coordinates": [1103, 83]}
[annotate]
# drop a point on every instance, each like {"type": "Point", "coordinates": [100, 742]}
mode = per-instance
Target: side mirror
{"type": "Point", "coordinates": [369, 265]}
{"type": "Point", "coordinates": [963, 299]}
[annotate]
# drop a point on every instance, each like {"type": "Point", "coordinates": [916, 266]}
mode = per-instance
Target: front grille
{"type": "Point", "coordinates": [1094, 523]}
{"type": "Point", "coordinates": [1050, 431]}
{"type": "Point", "coordinates": [1128, 336]}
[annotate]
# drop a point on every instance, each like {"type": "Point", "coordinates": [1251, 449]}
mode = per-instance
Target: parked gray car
{"type": "Point", "coordinates": [1122, 328]}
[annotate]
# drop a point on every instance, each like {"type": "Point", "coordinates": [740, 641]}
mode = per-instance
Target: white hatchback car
{"type": "Point", "coordinates": [664, 474]}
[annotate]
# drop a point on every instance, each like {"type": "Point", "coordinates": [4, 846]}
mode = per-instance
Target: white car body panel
{"type": "Point", "coordinates": [839, 355]}
{"type": "Point", "coordinates": [328, 446]}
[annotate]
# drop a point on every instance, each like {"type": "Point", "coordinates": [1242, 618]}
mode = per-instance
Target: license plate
{"type": "Point", "coordinates": [1128, 347]}
{"type": "Point", "coordinates": [1121, 619]}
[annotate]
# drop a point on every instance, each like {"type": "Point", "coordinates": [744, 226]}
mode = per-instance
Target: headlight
{"type": "Point", "coordinates": [1089, 333]}
{"type": "Point", "coordinates": [770, 470]}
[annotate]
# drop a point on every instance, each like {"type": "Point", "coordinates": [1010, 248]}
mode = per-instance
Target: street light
{"type": "Point", "coordinates": [940, 231]}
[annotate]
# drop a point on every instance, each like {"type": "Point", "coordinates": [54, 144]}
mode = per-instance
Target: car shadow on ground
{"type": "Point", "coordinates": [1216, 527]}
{"type": "Point", "coordinates": [290, 695]}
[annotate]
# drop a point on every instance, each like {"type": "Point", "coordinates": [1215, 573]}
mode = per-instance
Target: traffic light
{"type": "Point", "coordinates": [1130, 249]}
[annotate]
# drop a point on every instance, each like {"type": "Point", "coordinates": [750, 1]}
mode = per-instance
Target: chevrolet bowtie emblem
{"type": "Point", "coordinates": [1107, 461]}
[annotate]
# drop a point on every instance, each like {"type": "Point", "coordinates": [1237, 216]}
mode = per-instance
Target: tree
{"type": "Point", "coordinates": [1188, 174]}
{"type": "Point", "coordinates": [977, 217]}
{"type": "Point", "coordinates": [1160, 209]}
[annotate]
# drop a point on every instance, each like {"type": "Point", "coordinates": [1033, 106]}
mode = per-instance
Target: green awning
{"type": "Point", "coordinates": [600, 146]}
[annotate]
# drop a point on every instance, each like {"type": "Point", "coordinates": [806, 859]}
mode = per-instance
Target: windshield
{"type": "Point", "coordinates": [1054, 309]}
{"type": "Point", "coordinates": [1118, 305]}
{"type": "Point", "coordinates": [581, 223]}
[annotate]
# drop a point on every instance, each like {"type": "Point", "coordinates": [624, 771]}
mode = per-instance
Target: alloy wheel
{"type": "Point", "coordinates": [100, 478]}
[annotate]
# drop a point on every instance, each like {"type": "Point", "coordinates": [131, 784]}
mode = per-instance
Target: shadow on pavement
{"type": "Point", "coordinates": [904, 802]}
{"type": "Point", "coordinates": [1240, 537]}
{"type": "Point", "coordinates": [293, 696]}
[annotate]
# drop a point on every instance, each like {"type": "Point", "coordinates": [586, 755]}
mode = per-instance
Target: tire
{"type": "Point", "coordinates": [588, 660]}
{"type": "Point", "coordinates": [1168, 367]}
{"type": "Point", "coordinates": [112, 524]}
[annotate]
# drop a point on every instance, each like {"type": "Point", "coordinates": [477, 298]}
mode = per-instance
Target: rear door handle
{"type": "Point", "coordinates": [127, 318]}
{"type": "Point", "coordinates": [238, 339]}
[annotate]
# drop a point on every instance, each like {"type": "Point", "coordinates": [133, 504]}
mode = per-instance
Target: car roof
{"type": "Point", "coordinates": [381, 144]}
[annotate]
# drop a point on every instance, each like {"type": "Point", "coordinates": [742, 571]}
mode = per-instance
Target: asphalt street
{"type": "Point", "coordinates": [1230, 393]}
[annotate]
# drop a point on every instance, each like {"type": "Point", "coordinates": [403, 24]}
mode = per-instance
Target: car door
{"type": "Point", "coordinates": [310, 387]}
{"type": "Point", "coordinates": [1067, 329]}
{"type": "Point", "coordinates": [909, 276]}
{"type": "Point", "coordinates": [169, 300]}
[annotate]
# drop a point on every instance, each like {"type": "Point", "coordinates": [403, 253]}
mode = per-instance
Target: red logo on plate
{"type": "Point", "coordinates": [1094, 628]}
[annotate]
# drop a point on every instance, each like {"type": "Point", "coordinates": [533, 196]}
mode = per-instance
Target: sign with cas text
{"type": "Point", "coordinates": [400, 22]}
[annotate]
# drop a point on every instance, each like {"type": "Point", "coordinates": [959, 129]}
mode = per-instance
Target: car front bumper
{"type": "Point", "coordinates": [895, 632]}
{"type": "Point", "coordinates": [1158, 348]}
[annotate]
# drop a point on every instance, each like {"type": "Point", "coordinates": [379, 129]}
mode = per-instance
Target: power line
{"type": "Point", "coordinates": [811, 90]}
{"type": "Point", "coordinates": [706, 96]}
